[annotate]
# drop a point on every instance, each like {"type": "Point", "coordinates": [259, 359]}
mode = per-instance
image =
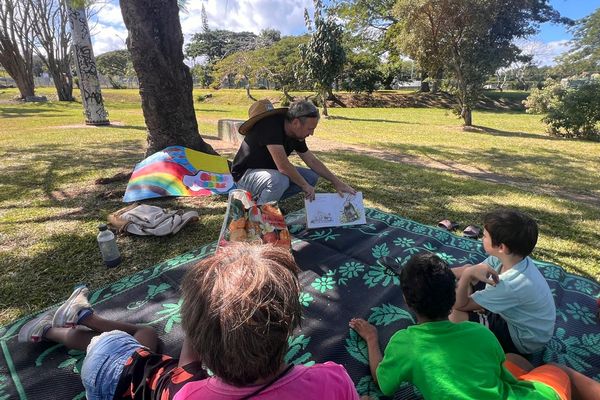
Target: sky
{"type": "Point", "coordinates": [287, 16]}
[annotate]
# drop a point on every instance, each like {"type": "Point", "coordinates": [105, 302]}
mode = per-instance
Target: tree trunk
{"type": "Point", "coordinates": [387, 82]}
{"type": "Point", "coordinates": [17, 68]}
{"type": "Point", "coordinates": [467, 115]}
{"type": "Point", "coordinates": [248, 93]}
{"type": "Point", "coordinates": [287, 95]}
{"type": "Point", "coordinates": [335, 99]}
{"type": "Point", "coordinates": [437, 82]}
{"type": "Point", "coordinates": [155, 43]}
{"type": "Point", "coordinates": [324, 99]}
{"type": "Point", "coordinates": [89, 85]}
{"type": "Point", "coordinates": [63, 82]}
{"type": "Point", "coordinates": [424, 83]}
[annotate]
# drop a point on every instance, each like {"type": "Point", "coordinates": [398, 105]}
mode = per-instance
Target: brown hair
{"type": "Point", "coordinates": [239, 307]}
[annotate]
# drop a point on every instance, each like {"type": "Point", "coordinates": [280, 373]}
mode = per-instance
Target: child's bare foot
{"type": "Point", "coordinates": [363, 328]}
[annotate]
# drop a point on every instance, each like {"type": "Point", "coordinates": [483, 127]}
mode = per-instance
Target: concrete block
{"type": "Point", "coordinates": [228, 130]}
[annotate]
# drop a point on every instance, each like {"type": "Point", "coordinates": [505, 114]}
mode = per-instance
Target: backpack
{"type": "Point", "coordinates": [146, 220]}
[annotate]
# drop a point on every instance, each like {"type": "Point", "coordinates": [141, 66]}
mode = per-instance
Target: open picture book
{"type": "Point", "coordinates": [331, 209]}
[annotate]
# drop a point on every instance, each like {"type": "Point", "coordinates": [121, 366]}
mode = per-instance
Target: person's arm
{"type": "Point", "coordinates": [480, 273]}
{"type": "Point", "coordinates": [284, 166]}
{"type": "Point", "coordinates": [187, 355]}
{"type": "Point", "coordinates": [457, 271]}
{"type": "Point", "coordinates": [316, 165]}
{"type": "Point", "coordinates": [369, 333]}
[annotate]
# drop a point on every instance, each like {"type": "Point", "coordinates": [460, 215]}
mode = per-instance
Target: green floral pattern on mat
{"type": "Point", "coordinates": [575, 343]}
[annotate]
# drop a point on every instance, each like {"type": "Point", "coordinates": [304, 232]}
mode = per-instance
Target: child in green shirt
{"type": "Point", "coordinates": [445, 360]}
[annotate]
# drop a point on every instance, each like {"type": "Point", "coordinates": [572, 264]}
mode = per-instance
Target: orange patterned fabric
{"type": "Point", "coordinates": [151, 376]}
{"type": "Point", "coordinates": [550, 375]}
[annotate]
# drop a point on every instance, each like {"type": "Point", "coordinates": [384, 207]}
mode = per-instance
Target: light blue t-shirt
{"type": "Point", "coordinates": [523, 298]}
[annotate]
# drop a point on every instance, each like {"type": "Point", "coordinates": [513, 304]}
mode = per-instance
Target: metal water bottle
{"type": "Point", "coordinates": [108, 246]}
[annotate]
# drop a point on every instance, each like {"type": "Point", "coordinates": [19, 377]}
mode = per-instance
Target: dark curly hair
{"type": "Point", "coordinates": [428, 286]}
{"type": "Point", "coordinates": [515, 230]}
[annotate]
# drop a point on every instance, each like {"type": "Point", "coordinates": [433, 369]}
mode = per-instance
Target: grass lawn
{"type": "Point", "coordinates": [50, 206]}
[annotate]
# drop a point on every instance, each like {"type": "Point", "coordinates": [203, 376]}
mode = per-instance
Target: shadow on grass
{"type": "Point", "coordinates": [135, 127]}
{"type": "Point", "coordinates": [430, 196]}
{"type": "Point", "coordinates": [214, 111]}
{"type": "Point", "coordinates": [497, 132]}
{"type": "Point", "coordinates": [43, 272]}
{"type": "Point", "coordinates": [550, 167]}
{"type": "Point", "coordinates": [50, 167]}
{"type": "Point", "coordinates": [390, 121]}
{"type": "Point", "coordinates": [14, 112]}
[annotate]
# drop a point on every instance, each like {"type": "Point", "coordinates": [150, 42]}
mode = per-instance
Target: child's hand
{"type": "Point", "coordinates": [364, 329]}
{"type": "Point", "coordinates": [484, 273]}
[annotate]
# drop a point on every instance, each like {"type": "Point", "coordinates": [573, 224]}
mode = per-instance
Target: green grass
{"type": "Point", "coordinates": [50, 207]}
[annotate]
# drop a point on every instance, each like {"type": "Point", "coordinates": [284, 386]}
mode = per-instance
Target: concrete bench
{"type": "Point", "coordinates": [228, 130]}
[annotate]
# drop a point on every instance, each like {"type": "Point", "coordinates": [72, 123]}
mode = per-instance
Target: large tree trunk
{"type": "Point", "coordinates": [63, 81]}
{"type": "Point", "coordinates": [155, 43]}
{"type": "Point", "coordinates": [85, 62]}
{"type": "Point", "coordinates": [17, 67]}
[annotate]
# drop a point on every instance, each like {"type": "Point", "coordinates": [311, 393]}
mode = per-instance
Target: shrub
{"type": "Point", "coordinates": [538, 102]}
{"type": "Point", "coordinates": [570, 111]}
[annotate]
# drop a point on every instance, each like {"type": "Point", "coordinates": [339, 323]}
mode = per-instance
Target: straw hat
{"type": "Point", "coordinates": [257, 111]}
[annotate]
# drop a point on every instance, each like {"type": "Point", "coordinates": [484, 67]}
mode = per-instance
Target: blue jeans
{"type": "Point", "coordinates": [271, 185]}
{"type": "Point", "coordinates": [104, 363]}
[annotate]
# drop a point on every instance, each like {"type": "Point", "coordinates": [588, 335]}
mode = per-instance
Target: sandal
{"type": "Point", "coordinates": [472, 232]}
{"type": "Point", "coordinates": [448, 225]}
{"type": "Point", "coordinates": [391, 264]}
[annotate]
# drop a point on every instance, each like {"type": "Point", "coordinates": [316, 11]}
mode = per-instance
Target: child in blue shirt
{"type": "Point", "coordinates": [510, 295]}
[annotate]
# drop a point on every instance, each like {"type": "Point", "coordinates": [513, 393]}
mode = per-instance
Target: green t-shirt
{"type": "Point", "coordinates": [453, 361]}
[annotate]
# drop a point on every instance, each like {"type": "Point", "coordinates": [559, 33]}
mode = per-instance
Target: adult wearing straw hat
{"type": "Point", "coordinates": [261, 165]}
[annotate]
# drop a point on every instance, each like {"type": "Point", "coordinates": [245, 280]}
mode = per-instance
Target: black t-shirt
{"type": "Point", "coordinates": [253, 152]}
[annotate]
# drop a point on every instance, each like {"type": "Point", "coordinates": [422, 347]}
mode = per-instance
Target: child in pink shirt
{"type": "Point", "coordinates": [239, 307]}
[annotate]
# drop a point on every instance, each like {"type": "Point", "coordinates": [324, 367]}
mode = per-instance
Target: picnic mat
{"type": "Point", "coordinates": [342, 277]}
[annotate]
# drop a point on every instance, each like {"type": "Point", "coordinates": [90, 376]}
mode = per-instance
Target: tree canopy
{"type": "Point", "coordinates": [113, 65]}
{"type": "Point", "coordinates": [469, 39]}
{"type": "Point", "coordinates": [585, 52]}
{"type": "Point", "coordinates": [323, 57]}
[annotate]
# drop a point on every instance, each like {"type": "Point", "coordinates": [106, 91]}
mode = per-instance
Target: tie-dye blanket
{"type": "Point", "coordinates": [178, 171]}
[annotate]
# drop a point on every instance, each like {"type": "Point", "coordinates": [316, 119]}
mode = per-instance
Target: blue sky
{"type": "Point", "coordinates": [574, 9]}
{"type": "Point", "coordinates": [287, 16]}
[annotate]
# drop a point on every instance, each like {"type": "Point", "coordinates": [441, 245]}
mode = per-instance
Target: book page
{"type": "Point", "coordinates": [330, 209]}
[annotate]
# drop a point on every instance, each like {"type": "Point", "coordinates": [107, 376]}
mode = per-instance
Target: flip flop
{"type": "Point", "coordinates": [391, 264]}
{"type": "Point", "coordinates": [472, 232]}
{"type": "Point", "coordinates": [448, 225]}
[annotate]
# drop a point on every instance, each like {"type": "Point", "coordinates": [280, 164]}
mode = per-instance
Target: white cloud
{"type": "Point", "coordinates": [106, 38]}
{"type": "Point", "coordinates": [544, 54]}
{"type": "Point", "coordinates": [110, 14]}
{"type": "Point", "coordinates": [287, 16]}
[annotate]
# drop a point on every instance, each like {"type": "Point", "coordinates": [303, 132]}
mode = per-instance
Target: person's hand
{"type": "Point", "coordinates": [483, 273]}
{"type": "Point", "coordinates": [309, 192]}
{"type": "Point", "coordinates": [342, 188]}
{"type": "Point", "coordinates": [364, 329]}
